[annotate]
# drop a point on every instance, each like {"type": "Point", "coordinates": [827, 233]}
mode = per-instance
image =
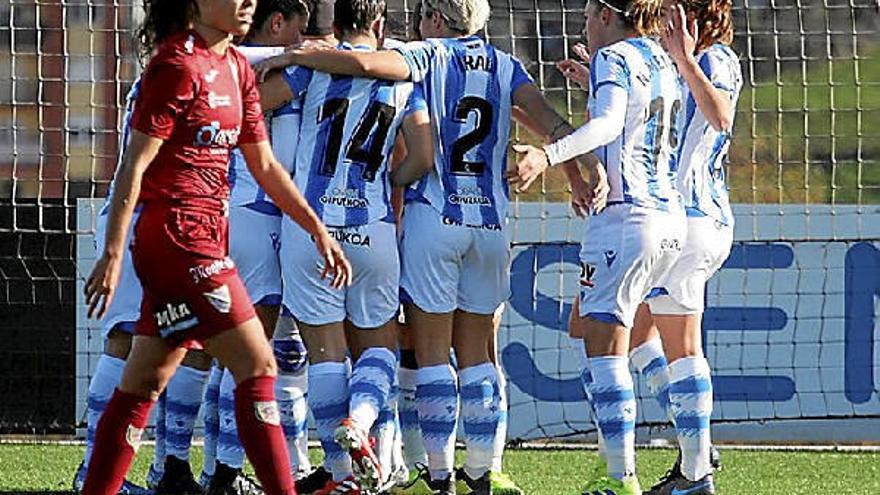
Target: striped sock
{"type": "Point", "coordinates": [577, 344]}
{"type": "Point", "coordinates": [328, 397]}
{"type": "Point", "coordinates": [614, 402]}
{"type": "Point", "coordinates": [650, 361]}
{"type": "Point", "coordinates": [480, 414]}
{"type": "Point", "coordinates": [229, 448]}
{"type": "Point", "coordinates": [411, 432]}
{"type": "Point", "coordinates": [501, 433]}
{"type": "Point", "coordinates": [158, 468]}
{"type": "Point", "coordinates": [182, 399]}
{"type": "Point", "coordinates": [691, 397]}
{"type": "Point", "coordinates": [291, 392]}
{"type": "Point", "coordinates": [370, 386]}
{"type": "Point", "coordinates": [437, 402]}
{"type": "Point", "coordinates": [211, 417]}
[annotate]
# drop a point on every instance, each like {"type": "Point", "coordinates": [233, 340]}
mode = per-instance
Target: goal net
{"type": "Point", "coordinates": [790, 323]}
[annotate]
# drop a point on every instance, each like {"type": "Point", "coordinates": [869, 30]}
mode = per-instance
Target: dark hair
{"type": "Point", "coordinates": [320, 17]}
{"type": "Point", "coordinates": [715, 19]}
{"type": "Point", "coordinates": [354, 16]}
{"type": "Point", "coordinates": [417, 21]}
{"type": "Point", "coordinates": [645, 17]}
{"type": "Point", "coordinates": [163, 18]}
{"type": "Point", "coordinates": [265, 9]}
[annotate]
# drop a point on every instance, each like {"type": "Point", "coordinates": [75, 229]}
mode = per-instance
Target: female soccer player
{"type": "Point", "coordinates": [628, 246]}
{"type": "Point", "coordinates": [454, 249]}
{"type": "Point", "coordinates": [712, 81]}
{"type": "Point", "coordinates": [198, 100]}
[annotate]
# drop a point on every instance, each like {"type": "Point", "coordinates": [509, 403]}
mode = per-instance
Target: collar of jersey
{"type": "Point", "coordinates": [344, 45]}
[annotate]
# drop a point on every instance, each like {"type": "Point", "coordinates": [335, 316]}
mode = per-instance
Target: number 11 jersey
{"type": "Point", "coordinates": [469, 86]}
{"type": "Point", "coordinates": [347, 130]}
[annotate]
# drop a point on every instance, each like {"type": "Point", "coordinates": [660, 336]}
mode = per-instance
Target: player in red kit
{"type": "Point", "coordinates": [198, 100]}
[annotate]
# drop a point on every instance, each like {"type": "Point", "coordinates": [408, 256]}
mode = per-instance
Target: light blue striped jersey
{"type": "Point", "coordinates": [702, 151]}
{"type": "Point", "coordinates": [283, 126]}
{"type": "Point", "coordinates": [469, 85]}
{"type": "Point", "coordinates": [130, 100]}
{"type": "Point", "coordinates": [638, 162]}
{"type": "Point", "coordinates": [348, 128]}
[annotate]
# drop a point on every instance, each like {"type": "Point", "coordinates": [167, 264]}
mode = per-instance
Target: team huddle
{"type": "Point", "coordinates": [320, 225]}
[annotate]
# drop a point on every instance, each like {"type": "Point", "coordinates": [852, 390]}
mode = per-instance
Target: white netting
{"type": "Point", "coordinates": [803, 173]}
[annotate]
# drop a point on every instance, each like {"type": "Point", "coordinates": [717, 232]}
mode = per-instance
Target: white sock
{"type": "Point", "coordinates": [108, 373]}
{"type": "Point", "coordinates": [182, 399]}
{"type": "Point", "coordinates": [410, 431]}
{"type": "Point", "coordinates": [371, 380]}
{"type": "Point", "coordinates": [614, 402]}
{"type": "Point", "coordinates": [690, 394]}
{"type": "Point", "coordinates": [291, 394]}
{"type": "Point", "coordinates": [437, 402]}
{"type": "Point", "coordinates": [328, 398]}
{"type": "Point", "coordinates": [577, 344]}
{"type": "Point", "coordinates": [229, 448]}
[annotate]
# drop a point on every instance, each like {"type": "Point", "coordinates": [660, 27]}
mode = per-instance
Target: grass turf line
{"type": "Point", "coordinates": [26, 468]}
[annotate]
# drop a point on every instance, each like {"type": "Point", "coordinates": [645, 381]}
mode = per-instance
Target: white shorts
{"type": "Point", "coordinates": [369, 302]}
{"type": "Point", "coordinates": [254, 242]}
{"type": "Point", "coordinates": [126, 307]}
{"type": "Point", "coordinates": [626, 251]}
{"type": "Point", "coordinates": [705, 249]}
{"type": "Point", "coordinates": [447, 266]}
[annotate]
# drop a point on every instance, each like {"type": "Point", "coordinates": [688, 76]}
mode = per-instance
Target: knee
{"type": "Point", "coordinates": [148, 386]}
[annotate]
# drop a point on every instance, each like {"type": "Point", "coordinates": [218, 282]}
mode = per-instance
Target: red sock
{"type": "Point", "coordinates": [259, 428]}
{"type": "Point", "coordinates": [116, 440]}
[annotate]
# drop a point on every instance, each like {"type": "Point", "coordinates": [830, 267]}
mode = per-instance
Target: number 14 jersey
{"type": "Point", "coordinates": [347, 130]}
{"type": "Point", "coordinates": [469, 86]}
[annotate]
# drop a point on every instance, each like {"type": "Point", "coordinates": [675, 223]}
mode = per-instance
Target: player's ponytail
{"type": "Point", "coordinates": [644, 17]}
{"type": "Point", "coordinates": [163, 18]}
{"type": "Point", "coordinates": [715, 21]}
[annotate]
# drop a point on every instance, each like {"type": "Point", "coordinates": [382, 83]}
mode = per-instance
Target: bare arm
{"type": "Point", "coordinates": [420, 149]}
{"type": "Point", "coordinates": [276, 182]}
{"type": "Point", "coordinates": [101, 284]}
{"type": "Point", "coordinates": [384, 64]}
{"type": "Point", "coordinates": [679, 39]}
{"type": "Point", "coordinates": [274, 92]}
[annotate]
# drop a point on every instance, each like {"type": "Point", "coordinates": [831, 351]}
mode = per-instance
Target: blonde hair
{"type": "Point", "coordinates": [464, 16]}
{"type": "Point", "coordinates": [645, 17]}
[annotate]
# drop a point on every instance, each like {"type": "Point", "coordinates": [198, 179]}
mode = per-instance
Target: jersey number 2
{"type": "Point", "coordinates": [376, 121]}
{"type": "Point", "coordinates": [468, 104]}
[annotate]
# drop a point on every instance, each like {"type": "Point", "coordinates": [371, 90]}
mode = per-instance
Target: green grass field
{"type": "Point", "coordinates": [29, 468]}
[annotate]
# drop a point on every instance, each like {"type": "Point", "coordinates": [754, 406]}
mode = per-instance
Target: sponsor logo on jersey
{"type": "Point", "coordinates": [216, 101]}
{"type": "Point", "coordinates": [346, 198]}
{"type": "Point", "coordinates": [204, 272]}
{"type": "Point", "coordinates": [213, 135]}
{"type": "Point", "coordinates": [469, 196]}
{"type": "Point", "coordinates": [220, 298]}
{"type": "Point", "coordinates": [174, 317]}
{"type": "Point", "coordinates": [350, 237]}
{"type": "Point", "coordinates": [587, 272]}
{"type": "Point", "coordinates": [211, 75]}
{"type": "Point", "coordinates": [670, 245]}
{"type": "Point", "coordinates": [457, 223]}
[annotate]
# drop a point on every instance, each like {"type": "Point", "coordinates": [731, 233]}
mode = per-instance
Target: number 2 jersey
{"type": "Point", "coordinates": [469, 86]}
{"type": "Point", "coordinates": [347, 130]}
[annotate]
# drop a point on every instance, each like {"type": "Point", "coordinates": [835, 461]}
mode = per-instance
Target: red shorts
{"type": "Point", "coordinates": [192, 290]}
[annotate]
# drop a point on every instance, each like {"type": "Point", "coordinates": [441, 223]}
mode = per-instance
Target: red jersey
{"type": "Point", "coordinates": [202, 105]}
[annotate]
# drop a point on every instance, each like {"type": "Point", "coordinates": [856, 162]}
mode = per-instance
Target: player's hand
{"type": "Point", "coordinates": [679, 37]}
{"type": "Point", "coordinates": [529, 167]}
{"type": "Point", "coordinates": [598, 188]}
{"type": "Point", "coordinates": [265, 66]}
{"type": "Point", "coordinates": [336, 265]}
{"type": "Point", "coordinates": [101, 284]}
{"type": "Point", "coordinates": [580, 196]}
{"type": "Point", "coordinates": [576, 72]}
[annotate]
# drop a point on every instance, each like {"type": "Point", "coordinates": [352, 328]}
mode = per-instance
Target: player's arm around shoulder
{"type": "Point", "coordinates": [384, 64]}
